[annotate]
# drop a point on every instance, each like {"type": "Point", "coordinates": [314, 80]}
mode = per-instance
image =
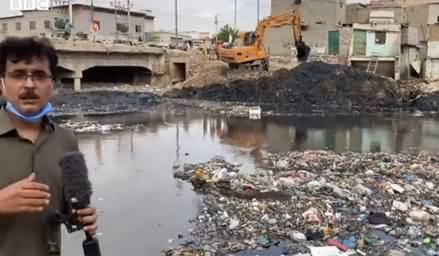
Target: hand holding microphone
{"type": "Point", "coordinates": [77, 193]}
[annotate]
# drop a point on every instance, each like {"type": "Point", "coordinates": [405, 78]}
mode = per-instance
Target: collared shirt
{"type": "Point", "coordinates": [28, 234]}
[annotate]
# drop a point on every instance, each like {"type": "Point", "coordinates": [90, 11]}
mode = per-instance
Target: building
{"type": "Point", "coordinates": [376, 48]}
{"type": "Point", "coordinates": [360, 13]}
{"type": "Point", "coordinates": [418, 22]}
{"type": "Point", "coordinates": [112, 23]}
{"type": "Point", "coordinates": [166, 38]}
{"type": "Point", "coordinates": [198, 38]}
{"type": "Point", "coordinates": [421, 44]}
{"type": "Point", "coordinates": [318, 17]}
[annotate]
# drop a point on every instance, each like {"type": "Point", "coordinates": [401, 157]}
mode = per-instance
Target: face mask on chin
{"type": "Point", "coordinates": [34, 118]}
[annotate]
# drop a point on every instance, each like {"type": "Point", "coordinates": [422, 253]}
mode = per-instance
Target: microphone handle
{"type": "Point", "coordinates": [91, 246]}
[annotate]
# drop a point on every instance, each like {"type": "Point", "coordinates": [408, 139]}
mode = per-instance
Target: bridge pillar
{"type": "Point", "coordinates": [77, 81]}
{"type": "Point", "coordinates": [77, 84]}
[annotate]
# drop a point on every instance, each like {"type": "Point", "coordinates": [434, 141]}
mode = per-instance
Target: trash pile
{"type": "Point", "coordinates": [316, 203]}
{"type": "Point", "coordinates": [102, 102]}
{"type": "Point", "coordinates": [428, 102]}
{"type": "Point", "coordinates": [310, 87]}
{"type": "Point", "coordinates": [91, 127]}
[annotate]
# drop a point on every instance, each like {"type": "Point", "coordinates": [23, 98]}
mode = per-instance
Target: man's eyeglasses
{"type": "Point", "coordinates": [36, 76]}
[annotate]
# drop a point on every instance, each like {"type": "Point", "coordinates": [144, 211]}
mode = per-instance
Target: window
{"type": "Point", "coordinates": [47, 24]}
{"type": "Point", "coordinates": [5, 27]}
{"type": "Point", "coordinates": [121, 27]}
{"type": "Point", "coordinates": [18, 26]}
{"type": "Point", "coordinates": [297, 1]}
{"type": "Point", "coordinates": [138, 29]}
{"type": "Point", "coordinates": [380, 37]}
{"type": "Point", "coordinates": [32, 25]}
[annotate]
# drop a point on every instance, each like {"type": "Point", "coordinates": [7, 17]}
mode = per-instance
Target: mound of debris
{"type": "Point", "coordinates": [317, 203]}
{"type": "Point", "coordinates": [312, 86]}
{"type": "Point", "coordinates": [428, 102]}
{"type": "Point", "coordinates": [102, 102]}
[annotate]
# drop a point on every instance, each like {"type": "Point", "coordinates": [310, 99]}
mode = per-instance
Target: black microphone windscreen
{"type": "Point", "coordinates": [75, 178]}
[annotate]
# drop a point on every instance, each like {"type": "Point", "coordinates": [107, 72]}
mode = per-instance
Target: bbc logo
{"type": "Point", "coordinates": [27, 5]}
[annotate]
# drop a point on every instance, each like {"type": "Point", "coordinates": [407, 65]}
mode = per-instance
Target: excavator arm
{"type": "Point", "coordinates": [287, 19]}
{"type": "Point", "coordinates": [251, 51]}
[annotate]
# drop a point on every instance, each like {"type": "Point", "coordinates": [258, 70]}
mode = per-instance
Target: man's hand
{"type": "Point", "coordinates": [24, 196]}
{"type": "Point", "coordinates": [88, 218]}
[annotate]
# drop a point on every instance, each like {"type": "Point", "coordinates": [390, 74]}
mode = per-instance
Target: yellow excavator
{"type": "Point", "coordinates": [250, 49]}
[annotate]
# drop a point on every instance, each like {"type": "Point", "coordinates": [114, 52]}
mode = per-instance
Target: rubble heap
{"type": "Point", "coordinates": [317, 203]}
{"type": "Point", "coordinates": [312, 86]}
{"type": "Point", "coordinates": [102, 102]}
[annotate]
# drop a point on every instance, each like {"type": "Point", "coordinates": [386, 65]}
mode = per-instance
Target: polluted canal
{"type": "Point", "coordinates": [163, 182]}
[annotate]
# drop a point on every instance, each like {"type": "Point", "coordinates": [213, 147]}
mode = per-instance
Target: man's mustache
{"type": "Point", "coordinates": [29, 95]}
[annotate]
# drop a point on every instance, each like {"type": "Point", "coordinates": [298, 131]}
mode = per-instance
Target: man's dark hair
{"type": "Point", "coordinates": [17, 49]}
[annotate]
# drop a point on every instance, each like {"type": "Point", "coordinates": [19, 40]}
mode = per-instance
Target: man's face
{"type": "Point", "coordinates": [28, 86]}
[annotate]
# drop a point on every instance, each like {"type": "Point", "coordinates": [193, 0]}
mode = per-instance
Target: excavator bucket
{"type": "Point", "coordinates": [303, 51]}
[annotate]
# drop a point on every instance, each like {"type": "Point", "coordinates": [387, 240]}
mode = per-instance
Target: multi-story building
{"type": "Point", "coordinates": [318, 18]}
{"type": "Point", "coordinates": [113, 23]}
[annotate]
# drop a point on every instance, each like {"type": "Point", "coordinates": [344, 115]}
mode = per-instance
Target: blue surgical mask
{"type": "Point", "coordinates": [35, 118]}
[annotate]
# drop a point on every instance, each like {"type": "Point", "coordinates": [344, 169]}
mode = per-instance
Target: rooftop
{"type": "Point", "coordinates": [97, 5]}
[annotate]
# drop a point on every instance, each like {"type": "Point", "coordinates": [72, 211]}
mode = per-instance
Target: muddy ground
{"type": "Point", "coordinates": [313, 87]}
{"type": "Point", "coordinates": [316, 87]}
{"type": "Point", "coordinates": [67, 102]}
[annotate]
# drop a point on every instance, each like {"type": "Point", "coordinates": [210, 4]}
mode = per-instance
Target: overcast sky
{"type": "Point", "coordinates": [194, 14]}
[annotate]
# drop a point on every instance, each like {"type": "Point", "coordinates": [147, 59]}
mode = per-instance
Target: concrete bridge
{"type": "Point", "coordinates": [86, 61]}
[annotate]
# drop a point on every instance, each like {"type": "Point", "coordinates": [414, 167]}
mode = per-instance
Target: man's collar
{"type": "Point", "coordinates": [6, 124]}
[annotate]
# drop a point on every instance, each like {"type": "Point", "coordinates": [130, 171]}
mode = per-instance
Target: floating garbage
{"type": "Point", "coordinates": [92, 127]}
{"type": "Point", "coordinates": [316, 203]}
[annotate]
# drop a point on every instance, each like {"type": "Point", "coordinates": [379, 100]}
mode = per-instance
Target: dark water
{"type": "Point", "coordinates": [141, 206]}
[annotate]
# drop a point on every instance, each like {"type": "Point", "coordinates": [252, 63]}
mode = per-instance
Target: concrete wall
{"type": "Point", "coordinates": [318, 18]}
{"type": "Point", "coordinates": [107, 19]}
{"type": "Point", "coordinates": [148, 25]}
{"type": "Point", "coordinates": [345, 42]}
{"type": "Point", "coordinates": [279, 41]}
{"type": "Point", "coordinates": [418, 15]}
{"type": "Point", "coordinates": [417, 2]}
{"type": "Point", "coordinates": [431, 64]}
{"type": "Point", "coordinates": [384, 68]}
{"type": "Point", "coordinates": [433, 14]}
{"type": "Point", "coordinates": [357, 13]}
{"type": "Point", "coordinates": [431, 69]}
{"type": "Point", "coordinates": [39, 17]}
{"type": "Point", "coordinates": [389, 49]}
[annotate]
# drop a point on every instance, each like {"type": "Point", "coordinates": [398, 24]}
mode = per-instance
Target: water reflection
{"type": "Point", "coordinates": [144, 205]}
{"type": "Point", "coordinates": [340, 134]}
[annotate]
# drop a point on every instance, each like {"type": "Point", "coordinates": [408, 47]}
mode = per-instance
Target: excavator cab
{"type": "Point", "coordinates": [249, 38]}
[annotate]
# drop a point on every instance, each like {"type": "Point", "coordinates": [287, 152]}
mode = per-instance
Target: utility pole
{"type": "Point", "coordinates": [115, 19]}
{"type": "Point", "coordinates": [92, 14]}
{"type": "Point", "coordinates": [176, 18]}
{"type": "Point", "coordinates": [216, 28]}
{"type": "Point", "coordinates": [129, 19]}
{"type": "Point", "coordinates": [259, 8]}
{"type": "Point", "coordinates": [71, 20]}
{"type": "Point", "coordinates": [70, 12]}
{"type": "Point", "coordinates": [236, 15]}
{"type": "Point", "coordinates": [92, 9]}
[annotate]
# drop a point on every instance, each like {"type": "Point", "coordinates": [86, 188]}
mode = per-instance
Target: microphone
{"type": "Point", "coordinates": [77, 193]}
